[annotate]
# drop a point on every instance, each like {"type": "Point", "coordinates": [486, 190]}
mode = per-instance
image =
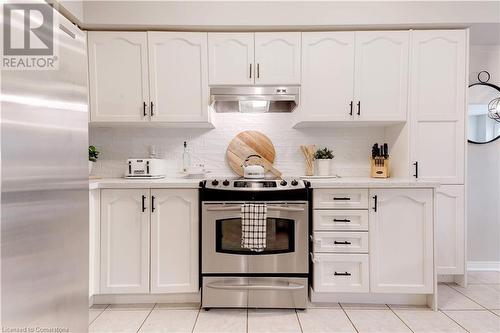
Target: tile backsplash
{"type": "Point", "coordinates": [351, 145]}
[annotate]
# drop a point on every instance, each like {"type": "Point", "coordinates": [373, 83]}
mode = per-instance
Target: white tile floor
{"type": "Point", "coordinates": [473, 309]}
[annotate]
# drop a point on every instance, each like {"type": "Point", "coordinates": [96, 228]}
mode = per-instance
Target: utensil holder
{"type": "Point", "coordinates": [379, 167]}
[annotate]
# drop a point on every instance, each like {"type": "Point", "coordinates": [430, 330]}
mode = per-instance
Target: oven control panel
{"type": "Point", "coordinates": [254, 184]}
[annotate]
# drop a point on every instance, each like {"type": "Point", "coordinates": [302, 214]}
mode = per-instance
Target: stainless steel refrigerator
{"type": "Point", "coordinates": [44, 191]}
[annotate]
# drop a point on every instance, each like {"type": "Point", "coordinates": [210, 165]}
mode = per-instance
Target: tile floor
{"type": "Point", "coordinates": [473, 309]}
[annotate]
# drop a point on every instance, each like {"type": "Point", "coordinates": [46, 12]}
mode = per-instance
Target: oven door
{"type": "Point", "coordinates": [286, 240]}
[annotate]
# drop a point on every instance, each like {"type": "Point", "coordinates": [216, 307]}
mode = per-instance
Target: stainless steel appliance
{"type": "Point", "coordinates": [150, 168]}
{"type": "Point", "coordinates": [44, 221]}
{"type": "Point", "coordinates": [254, 98]}
{"type": "Point", "coordinates": [234, 276]}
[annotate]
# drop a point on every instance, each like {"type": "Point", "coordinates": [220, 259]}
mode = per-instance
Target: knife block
{"type": "Point", "coordinates": [379, 167]}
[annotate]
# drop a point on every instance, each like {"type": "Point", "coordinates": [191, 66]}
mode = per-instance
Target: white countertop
{"type": "Point", "coordinates": [348, 182]}
{"type": "Point", "coordinates": [143, 183]}
{"type": "Point", "coordinates": [368, 182]}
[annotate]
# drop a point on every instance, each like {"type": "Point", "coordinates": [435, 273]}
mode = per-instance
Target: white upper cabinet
{"type": "Point", "coordinates": [178, 76]}
{"type": "Point", "coordinates": [350, 76]}
{"type": "Point", "coordinates": [124, 241]}
{"type": "Point", "coordinates": [381, 75]}
{"type": "Point", "coordinates": [437, 106]}
{"type": "Point", "coordinates": [450, 229]}
{"type": "Point", "coordinates": [118, 71]}
{"type": "Point", "coordinates": [401, 241]}
{"type": "Point", "coordinates": [254, 58]}
{"type": "Point", "coordinates": [277, 57]}
{"type": "Point", "coordinates": [174, 241]}
{"type": "Point", "coordinates": [327, 75]}
{"type": "Point", "coordinates": [231, 58]}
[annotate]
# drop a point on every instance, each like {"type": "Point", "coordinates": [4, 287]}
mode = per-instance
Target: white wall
{"type": "Point", "coordinates": [351, 146]}
{"type": "Point", "coordinates": [483, 174]}
{"type": "Point", "coordinates": [72, 9]}
{"type": "Point", "coordinates": [276, 15]}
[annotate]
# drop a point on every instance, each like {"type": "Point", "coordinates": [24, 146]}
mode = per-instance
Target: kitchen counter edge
{"type": "Point", "coordinates": [360, 182]}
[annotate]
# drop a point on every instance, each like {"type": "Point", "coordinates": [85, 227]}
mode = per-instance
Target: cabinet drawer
{"type": "Point", "coordinates": [340, 273]}
{"type": "Point", "coordinates": [340, 220]}
{"type": "Point", "coordinates": [340, 198]}
{"type": "Point", "coordinates": [341, 242]}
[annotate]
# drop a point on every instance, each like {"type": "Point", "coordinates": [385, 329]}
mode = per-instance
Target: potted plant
{"type": "Point", "coordinates": [323, 157]}
{"type": "Point", "coordinates": [93, 155]}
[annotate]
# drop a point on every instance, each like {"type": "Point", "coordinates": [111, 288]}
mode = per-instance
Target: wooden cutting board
{"type": "Point", "coordinates": [249, 143]}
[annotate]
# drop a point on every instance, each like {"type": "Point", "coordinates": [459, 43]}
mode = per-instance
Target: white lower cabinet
{"type": "Point", "coordinates": [94, 237]}
{"type": "Point", "coordinates": [387, 248]}
{"type": "Point", "coordinates": [341, 198]}
{"type": "Point", "coordinates": [174, 241]}
{"type": "Point", "coordinates": [450, 229]}
{"type": "Point", "coordinates": [124, 241]}
{"type": "Point", "coordinates": [401, 241]}
{"type": "Point", "coordinates": [340, 220]}
{"type": "Point", "coordinates": [340, 273]}
{"type": "Point", "coordinates": [149, 241]}
{"type": "Point", "coordinates": [341, 242]}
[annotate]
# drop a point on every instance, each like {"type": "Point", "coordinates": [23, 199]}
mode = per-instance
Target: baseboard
{"type": "Point", "coordinates": [146, 298]}
{"type": "Point", "coordinates": [483, 266]}
{"type": "Point", "coordinates": [369, 298]}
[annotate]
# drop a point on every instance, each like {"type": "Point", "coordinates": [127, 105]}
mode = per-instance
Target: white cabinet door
{"type": "Point", "coordinates": [401, 241]}
{"type": "Point", "coordinates": [231, 58]}
{"type": "Point", "coordinates": [277, 57]}
{"type": "Point", "coordinates": [178, 76]}
{"type": "Point", "coordinates": [381, 75]}
{"type": "Point", "coordinates": [437, 106]}
{"type": "Point", "coordinates": [174, 241]}
{"type": "Point", "coordinates": [327, 76]}
{"type": "Point", "coordinates": [450, 229]}
{"type": "Point", "coordinates": [124, 241]}
{"type": "Point", "coordinates": [118, 72]}
{"type": "Point", "coordinates": [94, 238]}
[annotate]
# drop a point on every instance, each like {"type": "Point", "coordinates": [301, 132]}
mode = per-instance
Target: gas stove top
{"type": "Point", "coordinates": [245, 184]}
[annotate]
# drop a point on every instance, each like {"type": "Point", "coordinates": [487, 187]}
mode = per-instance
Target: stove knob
{"type": "Point", "coordinates": [215, 182]}
{"type": "Point", "coordinates": [283, 183]}
{"type": "Point", "coordinates": [295, 183]}
{"type": "Point", "coordinates": [225, 183]}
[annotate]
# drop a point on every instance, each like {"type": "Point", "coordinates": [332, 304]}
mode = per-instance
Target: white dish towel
{"type": "Point", "coordinates": [253, 226]}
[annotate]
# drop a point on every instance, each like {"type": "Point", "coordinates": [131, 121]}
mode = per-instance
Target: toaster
{"type": "Point", "coordinates": [149, 168]}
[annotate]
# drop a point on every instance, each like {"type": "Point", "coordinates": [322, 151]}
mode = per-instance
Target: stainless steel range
{"type": "Point", "coordinates": [234, 276]}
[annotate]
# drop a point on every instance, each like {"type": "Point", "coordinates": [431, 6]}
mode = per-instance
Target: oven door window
{"type": "Point", "coordinates": [280, 236]}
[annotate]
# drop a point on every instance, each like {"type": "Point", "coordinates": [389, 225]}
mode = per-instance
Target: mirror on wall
{"type": "Point", "coordinates": [483, 110]}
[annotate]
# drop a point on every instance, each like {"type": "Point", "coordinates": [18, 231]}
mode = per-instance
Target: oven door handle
{"type": "Point", "coordinates": [220, 285]}
{"type": "Point", "coordinates": [269, 207]}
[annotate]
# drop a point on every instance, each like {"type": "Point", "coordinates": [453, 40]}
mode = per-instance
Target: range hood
{"type": "Point", "coordinates": [254, 99]}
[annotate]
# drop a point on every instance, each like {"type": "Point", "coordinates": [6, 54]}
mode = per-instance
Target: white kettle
{"type": "Point", "coordinates": [253, 170]}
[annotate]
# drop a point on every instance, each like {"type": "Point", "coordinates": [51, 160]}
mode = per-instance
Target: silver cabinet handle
{"type": "Point", "coordinates": [258, 70]}
{"type": "Point", "coordinates": [250, 70]}
{"type": "Point", "coordinates": [220, 285]}
{"type": "Point", "coordinates": [238, 208]}
{"type": "Point", "coordinates": [67, 31]}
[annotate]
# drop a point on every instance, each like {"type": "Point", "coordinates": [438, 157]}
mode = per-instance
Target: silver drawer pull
{"type": "Point", "coordinates": [342, 274]}
{"type": "Point", "coordinates": [341, 198]}
{"type": "Point", "coordinates": [342, 220]}
{"type": "Point", "coordinates": [238, 208]}
{"type": "Point", "coordinates": [289, 286]}
{"type": "Point", "coordinates": [341, 243]}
